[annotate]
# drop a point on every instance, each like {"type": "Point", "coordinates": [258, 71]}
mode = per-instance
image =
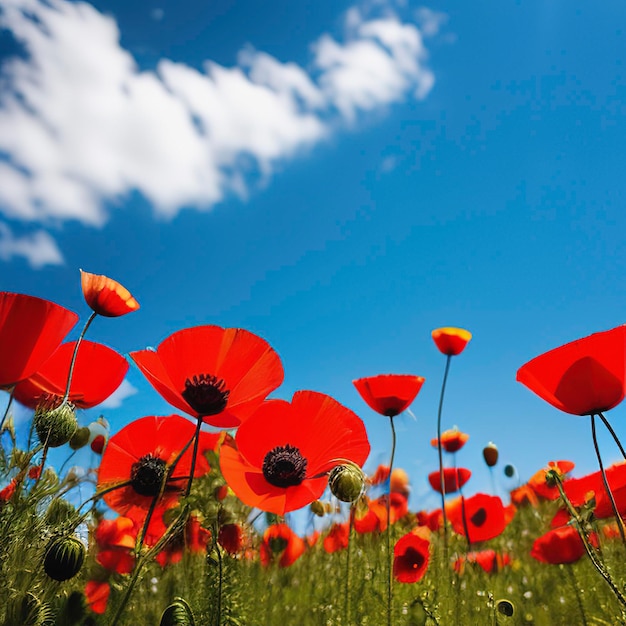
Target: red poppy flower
{"type": "Point", "coordinates": [31, 329]}
{"type": "Point", "coordinates": [282, 544]}
{"type": "Point", "coordinates": [230, 537]}
{"type": "Point", "coordinates": [411, 555]}
{"type": "Point", "coordinates": [115, 540]}
{"type": "Point", "coordinates": [98, 372]}
{"type": "Point", "coordinates": [337, 538]}
{"type": "Point", "coordinates": [451, 341]}
{"type": "Point", "coordinates": [453, 479]}
{"type": "Point", "coordinates": [389, 394]}
{"type": "Point", "coordinates": [141, 454]}
{"type": "Point", "coordinates": [451, 440]}
{"type": "Point", "coordinates": [431, 519]}
{"type": "Point", "coordinates": [7, 493]}
{"type": "Point", "coordinates": [97, 595]}
{"type": "Point", "coordinates": [374, 519]}
{"type": "Point", "coordinates": [218, 374]}
{"type": "Point", "coordinates": [524, 495]}
{"type": "Point", "coordinates": [399, 482]}
{"type": "Point", "coordinates": [538, 482]}
{"type": "Point", "coordinates": [193, 538]}
{"type": "Point", "coordinates": [561, 545]}
{"type": "Point", "coordinates": [584, 377]}
{"type": "Point", "coordinates": [486, 517]}
{"type": "Point", "coordinates": [106, 296]}
{"type": "Point", "coordinates": [380, 475]}
{"type": "Point", "coordinates": [489, 560]}
{"type": "Point", "coordinates": [284, 451]}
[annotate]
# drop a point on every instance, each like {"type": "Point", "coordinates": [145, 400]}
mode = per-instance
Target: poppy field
{"type": "Point", "coordinates": [187, 519]}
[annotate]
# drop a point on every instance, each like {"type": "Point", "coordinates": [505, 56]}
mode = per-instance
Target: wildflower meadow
{"type": "Point", "coordinates": [187, 518]}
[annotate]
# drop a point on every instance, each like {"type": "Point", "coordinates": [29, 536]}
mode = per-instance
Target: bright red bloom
{"type": "Point", "coordinates": [7, 493]}
{"type": "Point", "coordinates": [337, 538]}
{"type": "Point", "coordinates": [411, 555]}
{"type": "Point", "coordinates": [221, 375]}
{"type": "Point", "coordinates": [453, 479]}
{"type": "Point", "coordinates": [31, 329]}
{"type": "Point", "coordinates": [106, 296]}
{"type": "Point", "coordinates": [97, 595]}
{"type": "Point", "coordinates": [584, 377]}
{"type": "Point", "coordinates": [561, 545]}
{"type": "Point", "coordinates": [97, 445]}
{"type": "Point", "coordinates": [193, 539]}
{"type": "Point", "coordinates": [280, 542]}
{"type": "Point", "coordinates": [451, 341]}
{"type": "Point", "coordinates": [230, 537]}
{"type": "Point", "coordinates": [485, 515]}
{"type": "Point", "coordinates": [489, 560]}
{"type": "Point", "coordinates": [115, 539]}
{"type": "Point", "coordinates": [524, 495]}
{"type": "Point", "coordinates": [380, 475]}
{"type": "Point", "coordinates": [389, 394]}
{"type": "Point", "coordinates": [34, 472]}
{"type": "Point", "coordinates": [451, 440]}
{"type": "Point", "coordinates": [375, 518]}
{"type": "Point", "coordinates": [98, 372]}
{"type": "Point", "coordinates": [141, 454]}
{"type": "Point", "coordinates": [285, 450]}
{"type": "Point", "coordinates": [538, 482]}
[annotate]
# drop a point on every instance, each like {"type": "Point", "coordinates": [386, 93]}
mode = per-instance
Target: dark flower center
{"type": "Point", "coordinates": [277, 544]}
{"type": "Point", "coordinates": [413, 558]}
{"type": "Point", "coordinates": [147, 475]}
{"type": "Point", "coordinates": [479, 518]}
{"type": "Point", "coordinates": [284, 466]}
{"type": "Point", "coordinates": [206, 394]}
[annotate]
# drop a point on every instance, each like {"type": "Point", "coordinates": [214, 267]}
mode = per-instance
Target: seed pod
{"type": "Point", "coordinates": [64, 558]}
{"type": "Point", "coordinates": [317, 508]}
{"type": "Point", "coordinates": [509, 471]}
{"type": "Point", "coordinates": [80, 438]}
{"type": "Point", "coordinates": [347, 482]}
{"type": "Point", "coordinates": [59, 511]}
{"type": "Point", "coordinates": [177, 614]}
{"type": "Point", "coordinates": [490, 454]}
{"type": "Point", "coordinates": [55, 426]}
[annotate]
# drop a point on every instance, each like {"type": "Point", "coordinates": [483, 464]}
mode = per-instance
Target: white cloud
{"type": "Point", "coordinates": [38, 248]}
{"type": "Point", "coordinates": [114, 401]}
{"type": "Point", "coordinates": [81, 124]}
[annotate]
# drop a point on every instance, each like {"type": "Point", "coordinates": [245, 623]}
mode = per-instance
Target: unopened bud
{"type": "Point", "coordinates": [347, 482]}
{"type": "Point", "coordinates": [490, 454]}
{"type": "Point", "coordinates": [177, 614]}
{"type": "Point", "coordinates": [59, 511]}
{"type": "Point", "coordinates": [509, 471]}
{"type": "Point", "coordinates": [80, 438]}
{"type": "Point", "coordinates": [55, 426]}
{"type": "Point", "coordinates": [318, 508]}
{"type": "Point", "coordinates": [64, 558]}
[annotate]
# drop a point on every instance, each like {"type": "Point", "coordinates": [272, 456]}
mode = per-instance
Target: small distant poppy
{"type": "Point", "coordinates": [192, 538]}
{"type": "Point", "coordinates": [280, 544]}
{"type": "Point", "coordinates": [453, 479]}
{"type": "Point", "coordinates": [399, 482]}
{"type": "Point", "coordinates": [380, 475]}
{"type": "Point", "coordinates": [141, 454]}
{"type": "Point", "coordinates": [115, 540]}
{"type": "Point", "coordinates": [451, 440]}
{"type": "Point", "coordinates": [97, 595]}
{"type": "Point", "coordinates": [524, 494]}
{"type": "Point", "coordinates": [489, 560]}
{"type": "Point", "coordinates": [561, 545]}
{"type": "Point", "coordinates": [450, 340]}
{"type": "Point", "coordinates": [106, 296]}
{"type": "Point", "coordinates": [220, 375]}
{"type": "Point", "coordinates": [285, 450]}
{"type": "Point", "coordinates": [31, 329]}
{"type": "Point", "coordinates": [431, 519]}
{"type": "Point", "coordinates": [98, 372]}
{"type": "Point", "coordinates": [374, 517]}
{"type": "Point", "coordinates": [338, 538]}
{"type": "Point", "coordinates": [411, 555]}
{"type": "Point", "coordinates": [584, 377]}
{"type": "Point", "coordinates": [486, 517]}
{"type": "Point", "coordinates": [230, 537]}
{"type": "Point", "coordinates": [538, 483]}
{"type": "Point", "coordinates": [389, 394]}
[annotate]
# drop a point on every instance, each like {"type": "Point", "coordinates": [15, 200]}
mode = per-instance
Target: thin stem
{"type": "Point", "coordinates": [618, 517]}
{"type": "Point", "coordinates": [389, 553]}
{"type": "Point", "coordinates": [219, 582]}
{"type": "Point", "coordinates": [6, 411]}
{"type": "Point", "coordinates": [74, 355]}
{"type": "Point", "coordinates": [347, 587]}
{"type": "Point", "coordinates": [100, 494]}
{"type": "Point", "coordinates": [613, 434]}
{"type": "Point", "coordinates": [464, 518]}
{"type": "Point", "coordinates": [194, 454]}
{"type": "Point", "coordinates": [440, 455]}
{"type": "Point", "coordinates": [577, 592]}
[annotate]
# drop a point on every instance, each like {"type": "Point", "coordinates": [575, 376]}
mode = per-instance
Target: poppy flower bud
{"type": "Point", "coordinates": [505, 607]}
{"type": "Point", "coordinates": [347, 482]}
{"type": "Point", "coordinates": [177, 614]}
{"type": "Point", "coordinates": [74, 608]}
{"type": "Point", "coordinates": [97, 445]}
{"type": "Point", "coordinates": [64, 558]}
{"type": "Point", "coordinates": [59, 511]}
{"type": "Point", "coordinates": [80, 438]}
{"type": "Point", "coordinates": [317, 508]}
{"type": "Point", "coordinates": [509, 471]}
{"type": "Point", "coordinates": [490, 454]}
{"type": "Point", "coordinates": [55, 426]}
{"type": "Point", "coordinates": [106, 296]}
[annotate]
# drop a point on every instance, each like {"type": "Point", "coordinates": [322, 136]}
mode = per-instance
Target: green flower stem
{"type": "Point", "coordinates": [194, 454]}
{"type": "Point", "coordinates": [577, 592]}
{"type": "Point", "coordinates": [347, 587]}
{"type": "Point", "coordinates": [613, 434]}
{"type": "Point", "coordinates": [578, 524]}
{"type": "Point", "coordinates": [440, 455]}
{"type": "Point", "coordinates": [389, 553]}
{"type": "Point", "coordinates": [177, 525]}
{"type": "Point", "coordinates": [74, 355]}
{"type": "Point", "coordinates": [618, 517]}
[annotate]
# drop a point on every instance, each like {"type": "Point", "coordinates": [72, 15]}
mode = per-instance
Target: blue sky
{"type": "Point", "coordinates": [339, 178]}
